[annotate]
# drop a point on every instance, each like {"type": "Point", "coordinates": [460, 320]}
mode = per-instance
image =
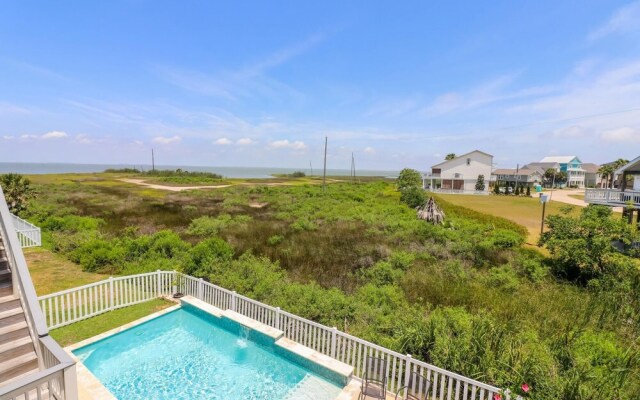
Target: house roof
{"type": "Point", "coordinates": [542, 165]}
{"type": "Point", "coordinates": [632, 166]}
{"type": "Point", "coordinates": [591, 168]}
{"type": "Point", "coordinates": [461, 156]}
{"type": "Point", "coordinates": [522, 171]}
{"type": "Point", "coordinates": [559, 159]}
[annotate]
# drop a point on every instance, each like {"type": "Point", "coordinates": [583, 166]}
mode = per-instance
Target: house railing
{"type": "Point", "coordinates": [83, 302]}
{"type": "Point", "coordinates": [28, 234]}
{"type": "Point", "coordinates": [56, 377]}
{"type": "Point", "coordinates": [612, 197]}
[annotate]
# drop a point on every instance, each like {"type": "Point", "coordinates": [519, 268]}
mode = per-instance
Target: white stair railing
{"type": "Point", "coordinates": [29, 235]}
{"type": "Point", "coordinates": [56, 377]}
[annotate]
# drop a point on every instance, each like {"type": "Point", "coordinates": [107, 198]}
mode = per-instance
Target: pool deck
{"type": "Point", "coordinates": [90, 387]}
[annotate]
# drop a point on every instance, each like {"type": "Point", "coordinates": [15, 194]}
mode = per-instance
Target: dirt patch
{"type": "Point", "coordinates": [141, 182]}
{"type": "Point", "coordinates": [258, 205]}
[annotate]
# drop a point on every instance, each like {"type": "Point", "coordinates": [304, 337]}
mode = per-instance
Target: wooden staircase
{"type": "Point", "coordinates": [17, 353]}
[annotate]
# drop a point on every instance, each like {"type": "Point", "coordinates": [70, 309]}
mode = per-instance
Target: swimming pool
{"type": "Point", "coordinates": [189, 354]}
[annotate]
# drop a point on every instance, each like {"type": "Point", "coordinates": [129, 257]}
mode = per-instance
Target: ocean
{"type": "Point", "coordinates": [227, 172]}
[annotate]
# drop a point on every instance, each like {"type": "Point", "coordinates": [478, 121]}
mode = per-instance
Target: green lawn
{"type": "Point", "coordinates": [526, 211]}
{"type": "Point", "coordinates": [82, 330]}
{"type": "Point", "coordinates": [53, 272]}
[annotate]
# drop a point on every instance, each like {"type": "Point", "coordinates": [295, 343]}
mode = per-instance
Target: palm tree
{"type": "Point", "coordinates": [450, 156]}
{"type": "Point", "coordinates": [606, 172]}
{"type": "Point", "coordinates": [617, 164]}
{"type": "Point", "coordinates": [17, 191]}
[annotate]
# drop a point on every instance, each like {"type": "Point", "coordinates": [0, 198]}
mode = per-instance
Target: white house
{"type": "Point", "coordinates": [460, 174]}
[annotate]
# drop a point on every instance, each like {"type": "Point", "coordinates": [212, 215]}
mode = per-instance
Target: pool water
{"type": "Point", "coordinates": [185, 355]}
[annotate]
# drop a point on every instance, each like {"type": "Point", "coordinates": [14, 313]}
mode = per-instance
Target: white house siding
{"type": "Point", "coordinates": [467, 167]}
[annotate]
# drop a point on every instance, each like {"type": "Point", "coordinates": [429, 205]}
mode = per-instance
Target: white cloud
{"type": "Point", "coordinates": [84, 139]}
{"type": "Point", "coordinates": [624, 20]}
{"type": "Point", "coordinates": [27, 137]}
{"type": "Point", "coordinates": [625, 134]}
{"type": "Point", "coordinates": [244, 142]}
{"type": "Point", "coordinates": [286, 144]}
{"type": "Point", "coordinates": [54, 135]}
{"type": "Point", "coordinates": [7, 137]}
{"type": "Point", "coordinates": [223, 141]}
{"type": "Point", "coordinates": [166, 140]}
{"type": "Point", "coordinates": [369, 150]}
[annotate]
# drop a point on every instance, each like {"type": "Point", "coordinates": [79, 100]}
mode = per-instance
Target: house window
{"type": "Point", "coordinates": [468, 161]}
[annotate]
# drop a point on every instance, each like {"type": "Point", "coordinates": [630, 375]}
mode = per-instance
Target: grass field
{"type": "Point", "coordinates": [526, 211]}
{"type": "Point", "coordinates": [91, 327]}
{"type": "Point", "coordinates": [52, 272]}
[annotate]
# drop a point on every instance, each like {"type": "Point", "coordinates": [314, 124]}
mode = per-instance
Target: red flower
{"type": "Point", "coordinates": [525, 388]}
{"type": "Point", "coordinates": [497, 396]}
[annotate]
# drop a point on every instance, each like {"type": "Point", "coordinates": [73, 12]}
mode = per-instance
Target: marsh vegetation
{"type": "Point", "coordinates": [465, 295]}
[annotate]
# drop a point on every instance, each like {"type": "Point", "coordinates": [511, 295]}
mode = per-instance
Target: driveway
{"type": "Point", "coordinates": [562, 195]}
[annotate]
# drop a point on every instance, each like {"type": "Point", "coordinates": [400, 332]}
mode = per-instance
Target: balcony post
{"type": "Point", "coordinates": [233, 300]}
{"type": "Point", "coordinates": [277, 324]}
{"type": "Point", "coordinates": [70, 383]}
{"type": "Point", "coordinates": [158, 283]}
{"type": "Point", "coordinates": [407, 370]}
{"type": "Point", "coordinates": [334, 332]}
{"type": "Point", "coordinates": [111, 293]}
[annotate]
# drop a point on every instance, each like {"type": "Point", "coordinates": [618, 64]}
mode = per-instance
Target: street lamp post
{"type": "Point", "coordinates": [543, 199]}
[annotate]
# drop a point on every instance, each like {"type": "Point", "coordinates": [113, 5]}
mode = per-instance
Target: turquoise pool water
{"type": "Point", "coordinates": [187, 354]}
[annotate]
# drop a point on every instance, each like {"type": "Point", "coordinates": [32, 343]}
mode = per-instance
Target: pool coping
{"type": "Point", "coordinates": [89, 386]}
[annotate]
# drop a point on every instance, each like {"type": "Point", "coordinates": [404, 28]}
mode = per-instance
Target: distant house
{"type": "Point", "coordinates": [572, 166]}
{"type": "Point", "coordinates": [523, 177]}
{"type": "Point", "coordinates": [460, 174]}
{"type": "Point", "coordinates": [592, 178]}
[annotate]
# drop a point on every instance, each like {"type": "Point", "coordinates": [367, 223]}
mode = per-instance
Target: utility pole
{"type": "Point", "coordinates": [353, 168]}
{"type": "Point", "coordinates": [517, 177]}
{"type": "Point", "coordinates": [324, 174]}
{"type": "Point", "coordinates": [311, 167]}
{"type": "Point", "coordinates": [153, 162]}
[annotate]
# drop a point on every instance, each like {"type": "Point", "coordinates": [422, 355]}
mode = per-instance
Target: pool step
{"type": "Point", "coordinates": [311, 388]}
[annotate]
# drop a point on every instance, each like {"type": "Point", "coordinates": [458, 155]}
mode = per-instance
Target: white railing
{"type": "Point", "coordinates": [80, 303]}
{"type": "Point", "coordinates": [612, 197]}
{"type": "Point", "coordinates": [28, 234]}
{"type": "Point", "coordinates": [56, 378]}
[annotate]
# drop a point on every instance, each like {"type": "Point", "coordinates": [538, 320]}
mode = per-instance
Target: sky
{"type": "Point", "coordinates": [260, 84]}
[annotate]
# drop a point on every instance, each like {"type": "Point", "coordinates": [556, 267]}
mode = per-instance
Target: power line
{"type": "Point", "coordinates": [568, 119]}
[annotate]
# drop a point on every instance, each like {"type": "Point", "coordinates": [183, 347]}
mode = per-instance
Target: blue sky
{"type": "Point", "coordinates": [261, 83]}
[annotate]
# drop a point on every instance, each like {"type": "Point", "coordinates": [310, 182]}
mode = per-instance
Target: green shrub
{"type": "Point", "coordinates": [207, 257]}
{"type": "Point", "coordinates": [506, 239]}
{"type": "Point", "coordinates": [72, 223]}
{"type": "Point", "coordinates": [211, 226]}
{"type": "Point", "coordinates": [275, 239]}
{"type": "Point", "coordinates": [504, 278]}
{"type": "Point", "coordinates": [304, 224]}
{"type": "Point", "coordinates": [413, 197]}
{"type": "Point", "coordinates": [409, 178]}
